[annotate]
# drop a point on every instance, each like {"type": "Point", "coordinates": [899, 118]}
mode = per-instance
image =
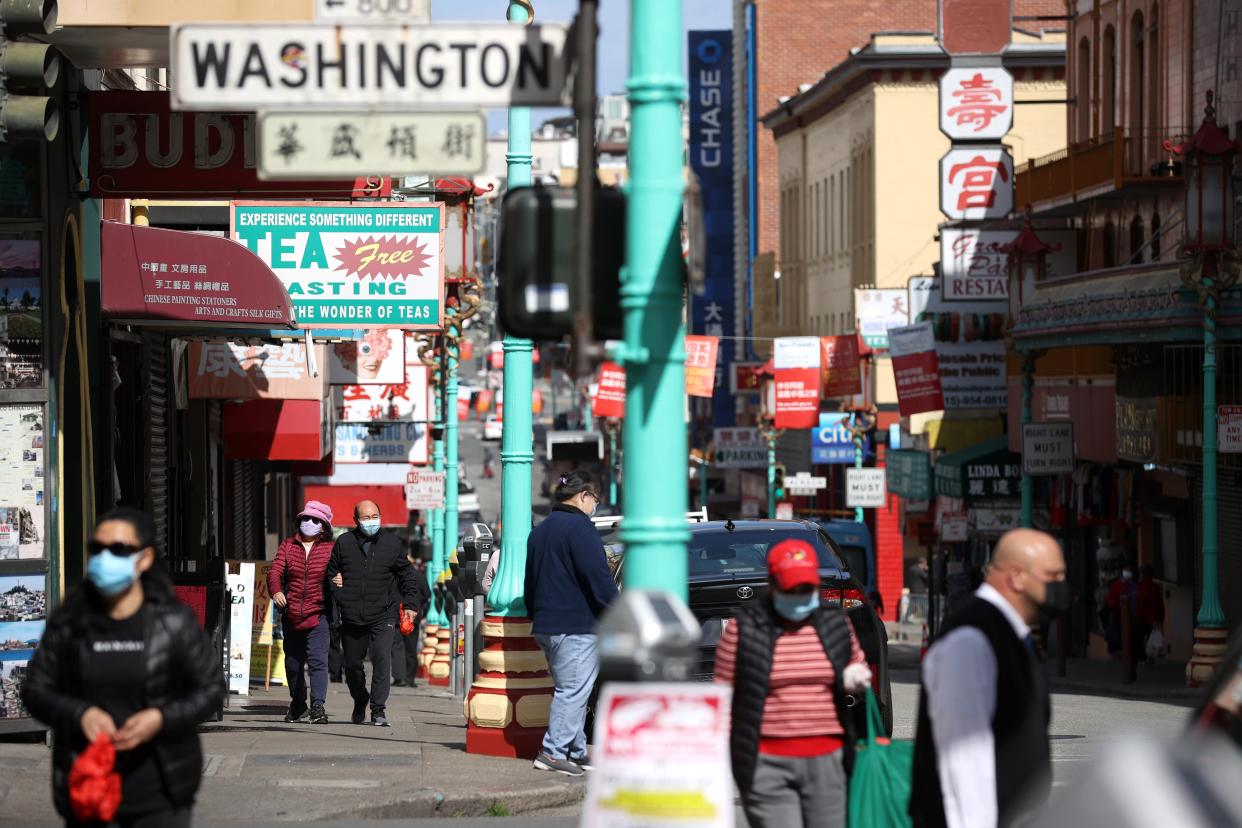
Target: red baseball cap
{"type": "Point", "coordinates": [792, 563]}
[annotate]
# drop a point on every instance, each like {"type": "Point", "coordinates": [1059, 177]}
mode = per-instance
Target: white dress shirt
{"type": "Point", "coordinates": [959, 677]}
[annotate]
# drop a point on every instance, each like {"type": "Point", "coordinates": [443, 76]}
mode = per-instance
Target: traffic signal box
{"type": "Point", "coordinates": [29, 72]}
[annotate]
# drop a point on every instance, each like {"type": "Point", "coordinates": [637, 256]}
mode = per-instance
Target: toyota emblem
{"type": "Point", "coordinates": [745, 592]}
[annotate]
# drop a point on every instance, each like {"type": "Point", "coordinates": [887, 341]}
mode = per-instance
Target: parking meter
{"type": "Point", "coordinates": [648, 636]}
{"type": "Point", "coordinates": [476, 552]}
{"type": "Point", "coordinates": [454, 585]}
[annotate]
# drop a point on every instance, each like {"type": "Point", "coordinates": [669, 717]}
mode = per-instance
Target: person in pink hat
{"type": "Point", "coordinates": [297, 582]}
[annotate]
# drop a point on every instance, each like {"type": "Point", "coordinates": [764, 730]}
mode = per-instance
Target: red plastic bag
{"type": "Point", "coordinates": [94, 784]}
{"type": "Point", "coordinates": [407, 626]}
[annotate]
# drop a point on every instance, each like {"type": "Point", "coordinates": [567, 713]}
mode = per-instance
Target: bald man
{"type": "Point", "coordinates": [368, 570]}
{"type": "Point", "coordinates": [981, 757]}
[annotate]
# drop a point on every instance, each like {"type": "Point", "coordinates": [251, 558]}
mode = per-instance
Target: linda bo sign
{"type": "Point", "coordinates": [1048, 448]}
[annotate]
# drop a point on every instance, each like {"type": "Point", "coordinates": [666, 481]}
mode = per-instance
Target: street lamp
{"type": "Point", "coordinates": [858, 424]}
{"type": "Point", "coordinates": [1211, 266]}
{"type": "Point", "coordinates": [767, 427]}
{"type": "Point", "coordinates": [1027, 263]}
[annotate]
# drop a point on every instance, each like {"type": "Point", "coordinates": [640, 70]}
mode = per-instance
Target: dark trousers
{"type": "Point", "coordinates": [405, 657]}
{"type": "Point", "coordinates": [336, 656]}
{"type": "Point", "coordinates": [180, 818]}
{"type": "Point", "coordinates": [309, 649]}
{"type": "Point", "coordinates": [357, 640]}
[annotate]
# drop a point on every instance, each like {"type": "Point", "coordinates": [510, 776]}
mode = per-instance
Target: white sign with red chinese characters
{"type": "Point", "coordinates": [409, 401]}
{"type": "Point", "coordinates": [976, 183]}
{"type": "Point", "coordinates": [976, 103]}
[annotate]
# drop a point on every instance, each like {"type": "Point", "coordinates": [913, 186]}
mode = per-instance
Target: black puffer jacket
{"type": "Point", "coordinates": [184, 680]}
{"type": "Point", "coordinates": [368, 596]}
{"type": "Point", "coordinates": [758, 627]}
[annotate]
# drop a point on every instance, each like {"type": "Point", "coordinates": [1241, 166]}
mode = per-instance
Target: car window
{"type": "Point", "coordinates": [856, 560]}
{"type": "Point", "coordinates": [745, 552]}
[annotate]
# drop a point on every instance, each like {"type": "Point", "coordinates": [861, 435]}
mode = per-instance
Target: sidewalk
{"type": "Point", "coordinates": [257, 768]}
{"type": "Point", "coordinates": [1164, 681]}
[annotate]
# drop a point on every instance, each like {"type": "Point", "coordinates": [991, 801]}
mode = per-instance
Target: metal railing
{"type": "Point", "coordinates": [1116, 158]}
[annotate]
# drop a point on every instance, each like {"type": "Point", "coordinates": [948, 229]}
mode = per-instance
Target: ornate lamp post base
{"type": "Point", "coordinates": [428, 652]}
{"type": "Point", "coordinates": [439, 668]}
{"type": "Point", "coordinates": [508, 704]}
{"type": "Point", "coordinates": [1209, 651]}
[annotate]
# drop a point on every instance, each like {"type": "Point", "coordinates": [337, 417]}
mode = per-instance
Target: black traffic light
{"type": "Point", "coordinates": [778, 484]}
{"type": "Point", "coordinates": [28, 71]}
{"type": "Point", "coordinates": [535, 266]}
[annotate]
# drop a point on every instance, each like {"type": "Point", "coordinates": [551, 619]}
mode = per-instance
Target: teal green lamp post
{"type": "Point", "coordinates": [438, 556]}
{"type": "Point", "coordinates": [654, 530]}
{"type": "Point", "coordinates": [1211, 267]}
{"type": "Point", "coordinates": [517, 450]}
{"type": "Point", "coordinates": [452, 340]}
{"type": "Point", "coordinates": [858, 424]}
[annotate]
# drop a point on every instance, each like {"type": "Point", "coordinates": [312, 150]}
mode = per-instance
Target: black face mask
{"type": "Point", "coordinates": [1056, 600]}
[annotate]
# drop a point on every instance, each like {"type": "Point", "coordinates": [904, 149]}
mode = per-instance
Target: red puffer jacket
{"type": "Point", "coordinates": [301, 577]}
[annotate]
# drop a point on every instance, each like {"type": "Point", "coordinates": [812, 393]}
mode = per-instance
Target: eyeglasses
{"type": "Point", "coordinates": [593, 495]}
{"type": "Point", "coordinates": [95, 547]}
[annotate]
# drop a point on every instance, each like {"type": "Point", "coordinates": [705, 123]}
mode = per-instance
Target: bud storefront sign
{"type": "Point", "coordinates": [352, 266]}
{"type": "Point", "coordinates": [287, 66]}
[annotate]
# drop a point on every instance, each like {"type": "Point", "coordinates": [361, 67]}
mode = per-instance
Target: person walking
{"type": "Point", "coordinates": [370, 570]}
{"type": "Point", "coordinates": [297, 583]}
{"type": "Point", "coordinates": [1150, 612]}
{"type": "Point", "coordinates": [122, 659]}
{"type": "Point", "coordinates": [981, 755]}
{"type": "Point", "coordinates": [568, 587]}
{"type": "Point", "coordinates": [792, 663]}
{"type": "Point", "coordinates": [405, 648]}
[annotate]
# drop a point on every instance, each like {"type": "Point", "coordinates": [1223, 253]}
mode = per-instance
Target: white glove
{"type": "Point", "coordinates": [857, 678]}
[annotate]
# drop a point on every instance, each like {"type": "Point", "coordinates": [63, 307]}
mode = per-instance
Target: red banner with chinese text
{"type": "Point", "coordinates": [840, 372]}
{"type": "Point", "coordinates": [916, 369]}
{"type": "Point", "coordinates": [610, 399]}
{"type": "Point", "coordinates": [797, 361]}
{"type": "Point", "coordinates": [701, 365]}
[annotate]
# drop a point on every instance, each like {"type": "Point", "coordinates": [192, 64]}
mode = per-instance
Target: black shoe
{"type": "Point", "coordinates": [378, 719]}
{"type": "Point", "coordinates": [398, 683]}
{"type": "Point", "coordinates": [336, 678]}
{"type": "Point", "coordinates": [360, 710]}
{"type": "Point", "coordinates": [318, 715]}
{"type": "Point", "coordinates": [297, 712]}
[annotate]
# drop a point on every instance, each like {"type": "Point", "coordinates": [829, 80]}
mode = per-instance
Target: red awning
{"type": "Point", "coordinates": [278, 430]}
{"type": "Point", "coordinates": [342, 499]}
{"type": "Point", "coordinates": [177, 278]}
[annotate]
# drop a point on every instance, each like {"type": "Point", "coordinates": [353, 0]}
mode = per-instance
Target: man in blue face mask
{"type": "Point", "coordinates": [367, 571]}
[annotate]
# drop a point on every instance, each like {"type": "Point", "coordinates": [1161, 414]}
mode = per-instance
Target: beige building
{"type": "Point", "coordinates": [859, 158]}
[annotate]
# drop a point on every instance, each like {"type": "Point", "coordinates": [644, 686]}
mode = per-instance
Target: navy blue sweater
{"type": "Point", "coordinates": [568, 584]}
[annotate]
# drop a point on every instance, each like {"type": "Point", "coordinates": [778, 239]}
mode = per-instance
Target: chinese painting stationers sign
{"type": "Point", "coordinates": [976, 182]}
{"type": "Point", "coordinates": [290, 66]}
{"type": "Point", "coordinates": [375, 265]}
{"type": "Point", "coordinates": [976, 104]}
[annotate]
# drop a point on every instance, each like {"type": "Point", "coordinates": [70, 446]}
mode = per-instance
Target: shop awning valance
{"type": "Point", "coordinates": [178, 279]}
{"type": "Point", "coordinates": [984, 470]}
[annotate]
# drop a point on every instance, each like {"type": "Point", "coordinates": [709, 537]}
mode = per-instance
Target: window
{"type": "Point", "coordinates": [1138, 86]}
{"type": "Point", "coordinates": [1108, 82]}
{"type": "Point", "coordinates": [21, 310]}
{"type": "Point", "coordinates": [1152, 143]}
{"type": "Point", "coordinates": [1155, 237]}
{"type": "Point", "coordinates": [1082, 107]}
{"type": "Point", "coordinates": [1136, 240]}
{"type": "Point", "coordinates": [745, 553]}
{"type": "Point", "coordinates": [1110, 245]}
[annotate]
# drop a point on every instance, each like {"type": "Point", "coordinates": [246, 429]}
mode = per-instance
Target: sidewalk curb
{"type": "Point", "coordinates": [425, 803]}
{"type": "Point", "coordinates": [1183, 696]}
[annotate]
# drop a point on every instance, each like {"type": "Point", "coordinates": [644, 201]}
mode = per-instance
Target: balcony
{"type": "Point", "coordinates": [1122, 160]}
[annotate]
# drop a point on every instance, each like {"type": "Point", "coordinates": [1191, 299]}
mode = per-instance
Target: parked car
{"type": "Point", "coordinates": [492, 427]}
{"type": "Point", "coordinates": [467, 497]}
{"type": "Point", "coordinates": [728, 568]}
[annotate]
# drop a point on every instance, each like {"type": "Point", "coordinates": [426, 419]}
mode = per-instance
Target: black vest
{"type": "Point", "coordinates": [1019, 726]}
{"type": "Point", "coordinates": [758, 627]}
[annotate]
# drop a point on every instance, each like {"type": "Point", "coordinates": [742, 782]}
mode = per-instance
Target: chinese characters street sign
{"type": "Point", "coordinates": [395, 67]}
{"type": "Point", "coordinates": [228, 371]}
{"type": "Point", "coordinates": [976, 182]}
{"type": "Point", "coordinates": [701, 365]}
{"type": "Point", "coordinates": [374, 265]}
{"type": "Point", "coordinates": [976, 104]}
{"type": "Point", "coordinates": [338, 144]}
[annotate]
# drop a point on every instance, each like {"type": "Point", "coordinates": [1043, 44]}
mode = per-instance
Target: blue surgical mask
{"type": "Point", "coordinates": [110, 573]}
{"type": "Point", "coordinates": [793, 606]}
{"type": "Point", "coordinates": [369, 527]}
{"type": "Point", "coordinates": [309, 528]}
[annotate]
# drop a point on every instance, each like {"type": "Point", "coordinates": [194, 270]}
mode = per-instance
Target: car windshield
{"type": "Point", "coordinates": [745, 552]}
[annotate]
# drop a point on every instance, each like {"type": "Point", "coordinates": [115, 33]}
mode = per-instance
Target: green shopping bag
{"type": "Point", "coordinates": [880, 784]}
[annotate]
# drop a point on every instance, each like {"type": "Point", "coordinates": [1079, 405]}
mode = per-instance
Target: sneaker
{"type": "Point", "coordinates": [318, 715]}
{"type": "Point", "coordinates": [360, 710]}
{"type": "Point", "coordinates": [297, 712]}
{"type": "Point", "coordinates": [545, 762]}
{"type": "Point", "coordinates": [583, 762]}
{"type": "Point", "coordinates": [379, 719]}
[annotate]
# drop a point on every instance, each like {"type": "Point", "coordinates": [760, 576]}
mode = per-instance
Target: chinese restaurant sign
{"type": "Point", "coordinates": [701, 365]}
{"type": "Point", "coordinates": [976, 182]}
{"type": "Point", "coordinates": [228, 371]}
{"type": "Point", "coordinates": [139, 148]}
{"type": "Point", "coordinates": [338, 144]}
{"type": "Point", "coordinates": [976, 104]}
{"type": "Point", "coordinates": [797, 360]}
{"type": "Point", "coordinates": [974, 265]}
{"type": "Point", "coordinates": [352, 266]}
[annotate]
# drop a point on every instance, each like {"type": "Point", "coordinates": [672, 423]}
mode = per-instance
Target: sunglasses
{"type": "Point", "coordinates": [95, 547]}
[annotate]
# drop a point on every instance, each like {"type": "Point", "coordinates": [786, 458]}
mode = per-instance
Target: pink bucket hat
{"type": "Point", "coordinates": [320, 511]}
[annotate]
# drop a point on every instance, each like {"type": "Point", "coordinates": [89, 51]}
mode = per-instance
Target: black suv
{"type": "Point", "coordinates": [728, 567]}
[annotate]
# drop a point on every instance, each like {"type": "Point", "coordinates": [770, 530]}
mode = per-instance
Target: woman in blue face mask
{"type": "Point", "coordinates": [123, 660]}
{"type": "Point", "coordinates": [792, 664]}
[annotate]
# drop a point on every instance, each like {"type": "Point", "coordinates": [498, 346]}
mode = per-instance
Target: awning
{"type": "Point", "coordinates": [175, 278]}
{"type": "Point", "coordinates": [909, 474]}
{"type": "Point", "coordinates": [985, 470]}
{"type": "Point", "coordinates": [342, 500]}
{"type": "Point", "coordinates": [278, 430]}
